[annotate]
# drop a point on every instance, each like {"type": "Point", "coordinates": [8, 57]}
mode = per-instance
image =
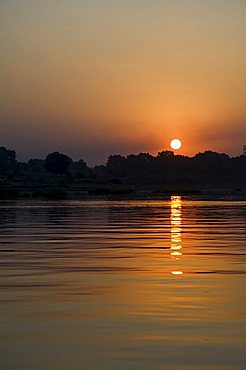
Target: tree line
{"type": "Point", "coordinates": [207, 169]}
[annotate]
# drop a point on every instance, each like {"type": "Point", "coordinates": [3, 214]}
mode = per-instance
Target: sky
{"type": "Point", "coordinates": [91, 78]}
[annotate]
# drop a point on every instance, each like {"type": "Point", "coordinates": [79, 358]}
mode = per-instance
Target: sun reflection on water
{"type": "Point", "coordinates": [176, 236]}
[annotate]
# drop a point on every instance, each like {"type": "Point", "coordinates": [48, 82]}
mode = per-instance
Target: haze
{"type": "Point", "coordinates": [94, 78]}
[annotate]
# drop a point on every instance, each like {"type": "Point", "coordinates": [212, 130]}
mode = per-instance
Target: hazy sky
{"type": "Point", "coordinates": [97, 77]}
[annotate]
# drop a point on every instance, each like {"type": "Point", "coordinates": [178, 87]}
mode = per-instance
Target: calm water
{"type": "Point", "coordinates": [123, 285]}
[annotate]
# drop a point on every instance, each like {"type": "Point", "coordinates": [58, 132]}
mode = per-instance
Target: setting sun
{"type": "Point", "coordinates": [175, 144]}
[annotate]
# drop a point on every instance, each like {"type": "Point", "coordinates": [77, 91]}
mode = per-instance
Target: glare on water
{"type": "Point", "coordinates": [176, 223]}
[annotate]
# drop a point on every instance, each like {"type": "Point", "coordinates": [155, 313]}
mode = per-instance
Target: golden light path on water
{"type": "Point", "coordinates": [176, 235]}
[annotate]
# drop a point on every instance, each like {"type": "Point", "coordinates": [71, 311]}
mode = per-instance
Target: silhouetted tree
{"type": "Point", "coordinates": [80, 169]}
{"type": "Point", "coordinates": [117, 165]}
{"type": "Point", "coordinates": [58, 163]}
{"type": "Point", "coordinates": [36, 165]}
{"type": "Point", "coordinates": [7, 161]}
{"type": "Point", "coordinates": [210, 155]}
{"type": "Point", "coordinates": [165, 154]}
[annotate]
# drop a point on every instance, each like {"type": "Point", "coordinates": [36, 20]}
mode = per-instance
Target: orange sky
{"type": "Point", "coordinates": [94, 78]}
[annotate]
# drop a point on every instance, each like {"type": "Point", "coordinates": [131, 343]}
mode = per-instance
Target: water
{"type": "Point", "coordinates": [123, 285]}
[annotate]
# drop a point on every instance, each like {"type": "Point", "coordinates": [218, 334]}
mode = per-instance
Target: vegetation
{"type": "Point", "coordinates": [58, 175]}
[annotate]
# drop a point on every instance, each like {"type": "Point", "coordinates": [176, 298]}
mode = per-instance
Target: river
{"type": "Point", "coordinates": [123, 285]}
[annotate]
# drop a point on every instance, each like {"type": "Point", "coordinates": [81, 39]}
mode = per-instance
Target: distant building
{"type": "Point", "coordinates": [244, 150]}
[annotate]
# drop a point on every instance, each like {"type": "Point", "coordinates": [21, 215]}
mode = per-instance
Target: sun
{"type": "Point", "coordinates": [175, 144]}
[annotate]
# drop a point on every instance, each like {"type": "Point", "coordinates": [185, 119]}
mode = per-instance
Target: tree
{"type": "Point", "coordinates": [58, 163]}
{"type": "Point", "coordinates": [80, 169]}
{"type": "Point", "coordinates": [116, 165]}
{"type": "Point", "coordinates": [7, 161]}
{"type": "Point", "coordinates": [210, 155]}
{"type": "Point", "coordinates": [167, 154]}
{"type": "Point", "coordinates": [36, 165]}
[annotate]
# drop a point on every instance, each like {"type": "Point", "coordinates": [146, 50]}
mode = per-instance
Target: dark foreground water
{"type": "Point", "coordinates": [123, 285]}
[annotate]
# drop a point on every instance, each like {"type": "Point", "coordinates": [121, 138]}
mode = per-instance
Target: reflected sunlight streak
{"type": "Point", "coordinates": [176, 236]}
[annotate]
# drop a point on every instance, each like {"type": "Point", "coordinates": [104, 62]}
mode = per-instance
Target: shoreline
{"type": "Point", "coordinates": [116, 193]}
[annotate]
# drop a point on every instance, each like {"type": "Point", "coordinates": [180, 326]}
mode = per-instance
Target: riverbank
{"type": "Point", "coordinates": [115, 192]}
